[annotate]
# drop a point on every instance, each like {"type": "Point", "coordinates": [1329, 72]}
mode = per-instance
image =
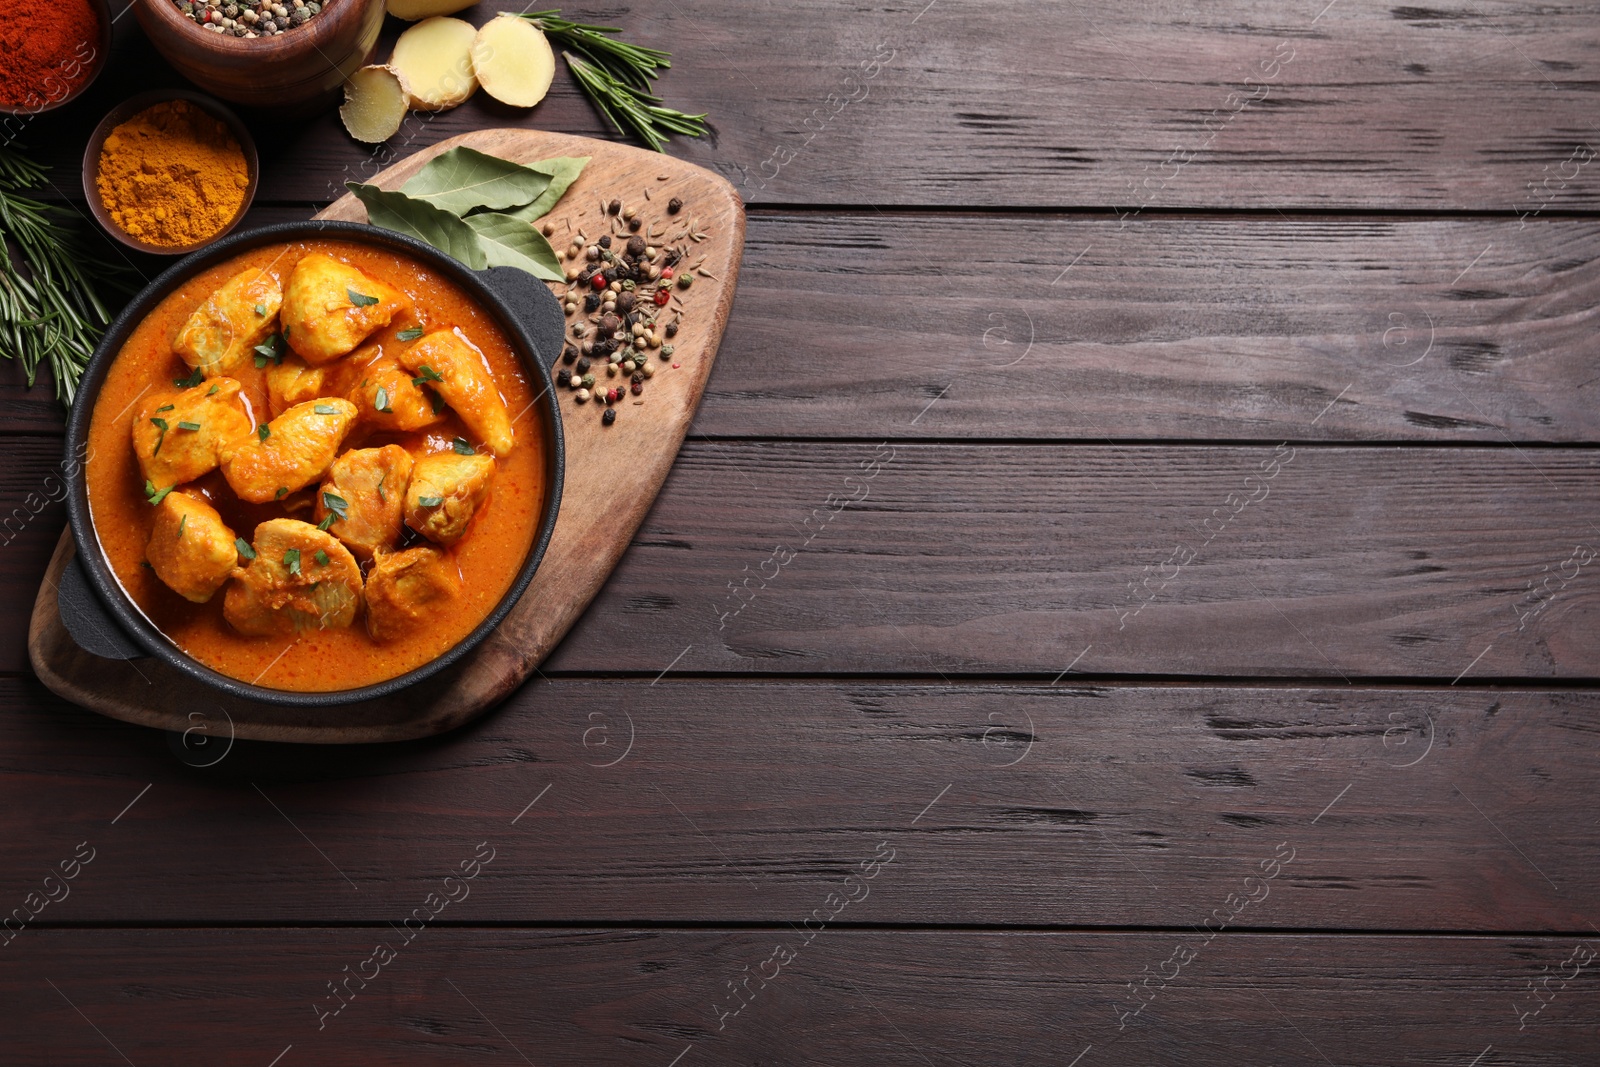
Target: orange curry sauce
{"type": "Point", "coordinates": [490, 555]}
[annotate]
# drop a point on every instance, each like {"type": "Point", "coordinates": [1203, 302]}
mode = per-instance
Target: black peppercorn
{"type": "Point", "coordinates": [672, 329]}
{"type": "Point", "coordinates": [583, 365]}
{"type": "Point", "coordinates": [563, 376]}
{"type": "Point", "coordinates": [609, 274]}
{"type": "Point", "coordinates": [609, 417]}
{"type": "Point", "coordinates": [636, 388]}
{"type": "Point", "coordinates": [591, 302]}
{"type": "Point", "coordinates": [637, 378]}
{"type": "Point", "coordinates": [674, 206]}
{"type": "Point", "coordinates": [605, 241]}
{"type": "Point", "coordinates": [633, 225]}
{"type": "Point", "coordinates": [584, 276]}
{"type": "Point", "coordinates": [569, 356]}
{"type": "Point", "coordinates": [614, 208]}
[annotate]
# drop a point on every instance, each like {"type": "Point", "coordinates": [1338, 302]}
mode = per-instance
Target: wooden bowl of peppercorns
{"type": "Point", "coordinates": [248, 53]}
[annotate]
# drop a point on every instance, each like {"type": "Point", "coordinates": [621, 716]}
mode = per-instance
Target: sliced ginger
{"type": "Point", "coordinates": [434, 62]}
{"type": "Point", "coordinates": [375, 100]}
{"type": "Point", "coordinates": [513, 61]}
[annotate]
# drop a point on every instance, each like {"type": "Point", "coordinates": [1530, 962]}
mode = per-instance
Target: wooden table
{"type": "Point", "coordinates": [1130, 597]}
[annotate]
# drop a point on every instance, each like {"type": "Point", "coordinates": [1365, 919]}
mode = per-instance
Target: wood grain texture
{"type": "Point", "coordinates": [881, 325]}
{"type": "Point", "coordinates": [1464, 809]}
{"type": "Point", "coordinates": [1140, 560]}
{"type": "Point", "coordinates": [1224, 327]}
{"type": "Point", "coordinates": [612, 475]}
{"type": "Point", "coordinates": [1350, 563]}
{"type": "Point", "coordinates": [1099, 104]}
{"type": "Point", "coordinates": [896, 998]}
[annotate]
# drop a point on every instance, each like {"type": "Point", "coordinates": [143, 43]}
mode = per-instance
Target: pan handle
{"type": "Point", "coordinates": [535, 306]}
{"type": "Point", "coordinates": [87, 620]}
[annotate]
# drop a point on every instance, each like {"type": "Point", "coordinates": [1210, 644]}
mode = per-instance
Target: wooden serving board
{"type": "Point", "coordinates": [612, 476]}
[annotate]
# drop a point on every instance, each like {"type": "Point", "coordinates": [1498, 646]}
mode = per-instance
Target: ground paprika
{"type": "Point", "coordinates": [46, 51]}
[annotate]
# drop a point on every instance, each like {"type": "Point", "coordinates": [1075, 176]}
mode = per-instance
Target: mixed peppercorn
{"type": "Point", "coordinates": [250, 18]}
{"type": "Point", "coordinates": [626, 294]}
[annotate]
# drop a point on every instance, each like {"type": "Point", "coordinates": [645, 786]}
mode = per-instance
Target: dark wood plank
{"type": "Point", "coordinates": [1151, 106]}
{"type": "Point", "coordinates": [1171, 328]}
{"type": "Point", "coordinates": [1460, 809]}
{"type": "Point", "coordinates": [891, 326]}
{"type": "Point", "coordinates": [896, 998]}
{"type": "Point", "coordinates": [1149, 561]}
{"type": "Point", "coordinates": [1350, 562]}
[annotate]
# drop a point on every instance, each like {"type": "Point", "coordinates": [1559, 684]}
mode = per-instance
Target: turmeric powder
{"type": "Point", "coordinates": [172, 176]}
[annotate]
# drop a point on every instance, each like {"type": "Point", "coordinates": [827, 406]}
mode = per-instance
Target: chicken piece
{"type": "Point", "coordinates": [459, 373]}
{"type": "Point", "coordinates": [292, 382]}
{"type": "Point", "coordinates": [220, 335]}
{"type": "Point", "coordinates": [446, 490]}
{"type": "Point", "coordinates": [330, 307]}
{"type": "Point", "coordinates": [388, 399]}
{"type": "Point", "coordinates": [403, 586]}
{"type": "Point", "coordinates": [299, 578]}
{"type": "Point", "coordinates": [365, 492]}
{"type": "Point", "coordinates": [288, 453]}
{"type": "Point", "coordinates": [191, 548]}
{"type": "Point", "coordinates": [178, 437]}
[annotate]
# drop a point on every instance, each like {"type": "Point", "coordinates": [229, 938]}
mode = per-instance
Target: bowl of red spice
{"type": "Point", "coordinates": [50, 53]}
{"type": "Point", "coordinates": [169, 171]}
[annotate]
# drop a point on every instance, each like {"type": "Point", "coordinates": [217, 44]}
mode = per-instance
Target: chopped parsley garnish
{"type": "Point", "coordinates": [325, 523]}
{"type": "Point", "coordinates": [282, 492]}
{"type": "Point", "coordinates": [291, 559]}
{"type": "Point", "coordinates": [243, 548]}
{"type": "Point", "coordinates": [271, 348]}
{"type": "Point", "coordinates": [411, 334]}
{"type": "Point", "coordinates": [188, 425]}
{"type": "Point", "coordinates": [165, 407]}
{"type": "Point", "coordinates": [437, 402]}
{"type": "Point", "coordinates": [160, 424]}
{"type": "Point", "coordinates": [335, 503]}
{"type": "Point", "coordinates": [194, 379]}
{"type": "Point", "coordinates": [426, 373]}
{"type": "Point", "coordinates": [261, 309]}
{"type": "Point", "coordinates": [325, 409]}
{"type": "Point", "coordinates": [381, 402]}
{"type": "Point", "coordinates": [462, 447]}
{"type": "Point", "coordinates": [213, 390]}
{"type": "Point", "coordinates": [382, 496]}
{"type": "Point", "coordinates": [321, 558]}
{"type": "Point", "coordinates": [154, 495]}
{"type": "Point", "coordinates": [182, 522]}
{"type": "Point", "coordinates": [263, 432]}
{"type": "Point", "coordinates": [430, 501]}
{"type": "Point", "coordinates": [361, 300]}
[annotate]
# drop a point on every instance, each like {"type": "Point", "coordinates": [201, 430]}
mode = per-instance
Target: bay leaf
{"type": "Point", "coordinates": [464, 179]}
{"type": "Point", "coordinates": [419, 219]}
{"type": "Point", "coordinates": [563, 171]}
{"type": "Point", "coordinates": [507, 241]}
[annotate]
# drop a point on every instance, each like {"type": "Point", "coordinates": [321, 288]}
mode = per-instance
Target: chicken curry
{"type": "Point", "coordinates": [316, 466]}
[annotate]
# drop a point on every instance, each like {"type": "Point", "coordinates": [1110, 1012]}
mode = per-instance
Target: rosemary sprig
{"type": "Point", "coordinates": [51, 309]}
{"type": "Point", "coordinates": [631, 109]}
{"type": "Point", "coordinates": [616, 76]}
